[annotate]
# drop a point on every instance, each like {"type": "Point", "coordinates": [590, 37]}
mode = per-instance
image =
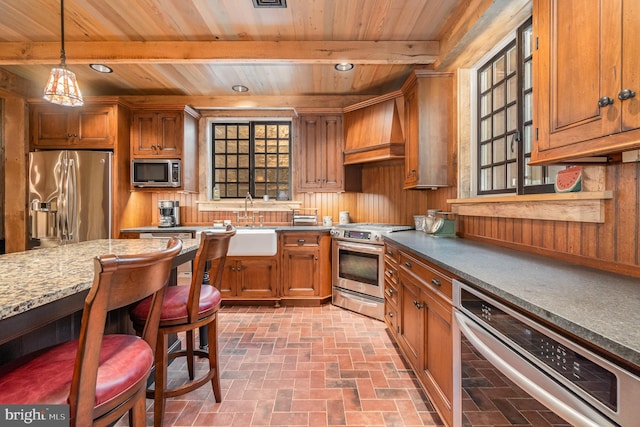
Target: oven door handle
{"type": "Point", "coordinates": [529, 378]}
{"type": "Point", "coordinates": [366, 248]}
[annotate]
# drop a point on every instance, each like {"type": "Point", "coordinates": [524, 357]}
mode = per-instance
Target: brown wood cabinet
{"type": "Point", "coordinates": [423, 326]}
{"type": "Point", "coordinates": [586, 81]}
{"type": "Point", "coordinates": [92, 126]}
{"type": "Point", "coordinates": [306, 265]}
{"type": "Point", "coordinates": [391, 289]}
{"type": "Point", "coordinates": [249, 278]}
{"type": "Point", "coordinates": [320, 153]}
{"type": "Point", "coordinates": [429, 128]}
{"type": "Point", "coordinates": [167, 132]}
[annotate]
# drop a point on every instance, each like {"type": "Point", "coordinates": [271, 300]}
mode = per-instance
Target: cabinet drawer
{"type": "Point", "coordinates": [301, 239]}
{"type": "Point", "coordinates": [391, 317]}
{"type": "Point", "coordinates": [391, 254]}
{"type": "Point", "coordinates": [391, 273]}
{"type": "Point", "coordinates": [428, 274]}
{"type": "Point", "coordinates": [391, 292]}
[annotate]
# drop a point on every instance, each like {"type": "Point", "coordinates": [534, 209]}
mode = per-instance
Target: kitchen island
{"type": "Point", "coordinates": [40, 288]}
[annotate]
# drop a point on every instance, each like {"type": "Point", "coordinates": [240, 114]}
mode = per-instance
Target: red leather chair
{"type": "Point", "coordinates": [186, 309]}
{"type": "Point", "coordinates": [101, 377]}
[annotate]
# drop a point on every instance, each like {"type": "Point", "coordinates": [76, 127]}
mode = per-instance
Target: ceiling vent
{"type": "Point", "coordinates": [269, 3]}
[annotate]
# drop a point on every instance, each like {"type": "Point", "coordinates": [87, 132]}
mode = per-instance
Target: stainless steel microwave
{"type": "Point", "coordinates": [156, 173]}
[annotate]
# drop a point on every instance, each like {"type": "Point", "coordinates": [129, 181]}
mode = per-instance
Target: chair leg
{"type": "Point", "coordinates": [213, 358]}
{"type": "Point", "coordinates": [162, 360]}
{"type": "Point", "coordinates": [189, 351]}
{"type": "Point", "coordinates": [138, 412]}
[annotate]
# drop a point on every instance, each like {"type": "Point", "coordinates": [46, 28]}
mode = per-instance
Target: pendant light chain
{"type": "Point", "coordinates": [63, 55]}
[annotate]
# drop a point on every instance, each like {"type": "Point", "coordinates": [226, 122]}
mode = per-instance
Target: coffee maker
{"type": "Point", "coordinates": [169, 213]}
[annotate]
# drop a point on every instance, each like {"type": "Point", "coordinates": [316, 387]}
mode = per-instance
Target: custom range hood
{"type": "Point", "coordinates": [373, 130]}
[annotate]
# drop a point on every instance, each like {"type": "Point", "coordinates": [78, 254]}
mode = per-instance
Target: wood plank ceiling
{"type": "Point", "coordinates": [197, 50]}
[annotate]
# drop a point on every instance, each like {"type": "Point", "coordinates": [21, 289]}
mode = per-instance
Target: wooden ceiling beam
{"type": "Point", "coordinates": [231, 52]}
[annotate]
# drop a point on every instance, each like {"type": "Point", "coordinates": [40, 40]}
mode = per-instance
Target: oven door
{"type": "Point", "coordinates": [358, 267]}
{"type": "Point", "coordinates": [497, 380]}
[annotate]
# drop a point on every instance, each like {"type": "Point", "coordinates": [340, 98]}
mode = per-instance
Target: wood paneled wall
{"type": "Point", "coordinates": [611, 246]}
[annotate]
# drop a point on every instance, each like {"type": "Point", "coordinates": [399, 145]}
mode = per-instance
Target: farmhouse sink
{"type": "Point", "coordinates": [252, 241]}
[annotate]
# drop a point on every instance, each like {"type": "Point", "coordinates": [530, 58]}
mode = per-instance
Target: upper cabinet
{"type": "Point", "coordinates": [92, 126]}
{"type": "Point", "coordinates": [373, 131]}
{"type": "Point", "coordinates": [162, 132]}
{"type": "Point", "coordinates": [429, 100]}
{"type": "Point", "coordinates": [586, 79]}
{"type": "Point", "coordinates": [167, 132]}
{"type": "Point", "coordinates": [320, 165]}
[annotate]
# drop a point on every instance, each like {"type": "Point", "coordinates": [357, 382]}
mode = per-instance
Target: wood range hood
{"type": "Point", "coordinates": [373, 130]}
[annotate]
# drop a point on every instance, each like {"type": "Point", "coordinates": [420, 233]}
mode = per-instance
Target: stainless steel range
{"type": "Point", "coordinates": [358, 266]}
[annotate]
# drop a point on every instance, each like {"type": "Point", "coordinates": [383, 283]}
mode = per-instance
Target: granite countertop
{"type": "Point", "coordinates": [34, 278]}
{"type": "Point", "coordinates": [600, 307]}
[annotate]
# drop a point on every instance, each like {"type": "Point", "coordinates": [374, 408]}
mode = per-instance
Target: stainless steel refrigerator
{"type": "Point", "coordinates": [69, 196]}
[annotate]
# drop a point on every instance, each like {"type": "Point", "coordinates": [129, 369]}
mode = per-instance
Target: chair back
{"type": "Point", "coordinates": [118, 282]}
{"type": "Point", "coordinates": [212, 253]}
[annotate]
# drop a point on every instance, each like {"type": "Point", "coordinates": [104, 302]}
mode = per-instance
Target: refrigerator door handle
{"type": "Point", "coordinates": [72, 182]}
{"type": "Point", "coordinates": [62, 200]}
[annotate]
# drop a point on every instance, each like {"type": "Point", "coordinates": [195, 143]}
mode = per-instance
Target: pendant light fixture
{"type": "Point", "coordinates": [62, 87]}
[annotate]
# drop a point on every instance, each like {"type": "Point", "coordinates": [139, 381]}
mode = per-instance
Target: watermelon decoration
{"type": "Point", "coordinates": [569, 180]}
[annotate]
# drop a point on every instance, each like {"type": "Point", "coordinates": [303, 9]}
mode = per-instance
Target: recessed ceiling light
{"type": "Point", "coordinates": [344, 66]}
{"type": "Point", "coordinates": [101, 68]}
{"type": "Point", "coordinates": [240, 88]}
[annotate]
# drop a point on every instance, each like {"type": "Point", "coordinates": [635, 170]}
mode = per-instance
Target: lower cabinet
{"type": "Point", "coordinates": [306, 265]}
{"type": "Point", "coordinates": [422, 322]}
{"type": "Point", "coordinates": [249, 278]}
{"type": "Point", "coordinates": [300, 273]}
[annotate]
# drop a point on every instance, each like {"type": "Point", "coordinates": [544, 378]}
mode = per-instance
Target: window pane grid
{"type": "Point", "coordinates": [497, 122]}
{"type": "Point", "coordinates": [505, 122]}
{"type": "Point", "coordinates": [252, 157]}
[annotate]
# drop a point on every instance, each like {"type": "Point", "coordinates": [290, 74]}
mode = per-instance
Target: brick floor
{"type": "Point", "coordinates": [303, 366]}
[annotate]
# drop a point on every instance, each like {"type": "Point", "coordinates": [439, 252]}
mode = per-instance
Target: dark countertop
{"type": "Point", "coordinates": [600, 307]}
{"type": "Point", "coordinates": [196, 228]}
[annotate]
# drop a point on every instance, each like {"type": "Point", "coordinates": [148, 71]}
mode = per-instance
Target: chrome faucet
{"type": "Point", "coordinates": [248, 199]}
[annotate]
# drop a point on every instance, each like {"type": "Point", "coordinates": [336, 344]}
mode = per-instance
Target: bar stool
{"type": "Point", "coordinates": [101, 377]}
{"type": "Point", "coordinates": [186, 309]}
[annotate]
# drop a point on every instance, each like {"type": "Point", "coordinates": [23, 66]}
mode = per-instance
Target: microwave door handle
{"type": "Point", "coordinates": [534, 382]}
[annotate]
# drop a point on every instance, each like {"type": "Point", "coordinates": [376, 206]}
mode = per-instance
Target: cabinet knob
{"type": "Point", "coordinates": [436, 282]}
{"type": "Point", "coordinates": [390, 272]}
{"type": "Point", "coordinates": [407, 264]}
{"type": "Point", "coordinates": [604, 101]}
{"type": "Point", "coordinates": [390, 314]}
{"type": "Point", "coordinates": [626, 94]}
{"type": "Point", "coordinates": [417, 304]}
{"type": "Point", "coordinates": [390, 291]}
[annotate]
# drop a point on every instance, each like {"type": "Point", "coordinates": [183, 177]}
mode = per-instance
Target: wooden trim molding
{"type": "Point", "coordinates": [238, 205]}
{"type": "Point", "coordinates": [577, 207]}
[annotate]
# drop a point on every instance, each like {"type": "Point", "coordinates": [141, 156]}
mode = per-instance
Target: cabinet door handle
{"type": "Point", "coordinates": [390, 253]}
{"type": "Point", "coordinates": [626, 94]}
{"type": "Point", "coordinates": [301, 240]}
{"type": "Point", "coordinates": [417, 304]}
{"type": "Point", "coordinates": [604, 101]}
{"type": "Point", "coordinates": [408, 264]}
{"type": "Point", "coordinates": [436, 282]}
